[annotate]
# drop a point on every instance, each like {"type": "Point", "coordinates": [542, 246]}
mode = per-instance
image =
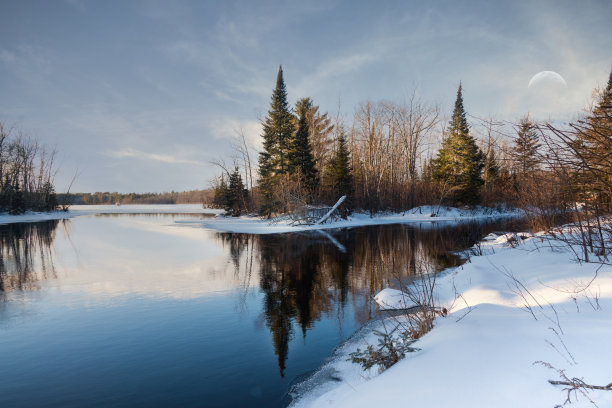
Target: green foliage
{"type": "Point", "coordinates": [491, 167]}
{"type": "Point", "coordinates": [389, 351]}
{"type": "Point", "coordinates": [459, 162]}
{"type": "Point", "coordinates": [18, 205]}
{"type": "Point", "coordinates": [592, 145]}
{"type": "Point", "coordinates": [221, 194]}
{"type": "Point", "coordinates": [301, 158]}
{"type": "Point", "coordinates": [278, 128]}
{"type": "Point", "coordinates": [236, 195]}
{"type": "Point", "coordinates": [526, 145]}
{"type": "Point", "coordinates": [341, 176]}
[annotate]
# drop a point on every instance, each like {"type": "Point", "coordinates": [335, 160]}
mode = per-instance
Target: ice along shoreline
{"type": "Point", "coordinates": [258, 225]}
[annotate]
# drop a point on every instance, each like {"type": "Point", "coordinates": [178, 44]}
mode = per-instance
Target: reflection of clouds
{"type": "Point", "coordinates": [145, 279]}
{"type": "Point", "coordinates": [140, 256]}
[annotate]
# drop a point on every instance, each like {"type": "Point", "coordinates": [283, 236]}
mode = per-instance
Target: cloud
{"type": "Point", "coordinates": [128, 152]}
{"type": "Point", "coordinates": [229, 128]}
{"type": "Point", "coordinates": [336, 67]}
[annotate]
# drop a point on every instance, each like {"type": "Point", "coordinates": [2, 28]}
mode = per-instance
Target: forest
{"type": "Point", "coordinates": [172, 197]}
{"type": "Point", "coordinates": [393, 156]}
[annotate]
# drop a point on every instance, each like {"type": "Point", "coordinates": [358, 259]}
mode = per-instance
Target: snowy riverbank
{"type": "Point", "coordinates": [81, 210]}
{"type": "Point", "coordinates": [484, 352]}
{"type": "Point", "coordinates": [257, 225]}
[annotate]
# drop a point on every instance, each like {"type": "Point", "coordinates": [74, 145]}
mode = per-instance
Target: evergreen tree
{"type": "Point", "coordinates": [491, 167]}
{"type": "Point", "coordinates": [526, 145]}
{"type": "Point", "coordinates": [301, 157]}
{"type": "Point", "coordinates": [340, 175]}
{"type": "Point", "coordinates": [221, 194]}
{"type": "Point", "coordinates": [48, 197]}
{"type": "Point", "coordinates": [320, 129]}
{"type": "Point", "coordinates": [5, 195]}
{"type": "Point", "coordinates": [236, 195]}
{"type": "Point", "coordinates": [278, 128]}
{"type": "Point", "coordinates": [18, 203]}
{"type": "Point", "coordinates": [592, 147]}
{"type": "Point", "coordinates": [459, 161]}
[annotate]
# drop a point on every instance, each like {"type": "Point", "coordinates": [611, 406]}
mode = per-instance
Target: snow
{"type": "Point", "coordinates": [393, 299]}
{"type": "Point", "coordinates": [81, 210]}
{"type": "Point", "coordinates": [523, 301]}
{"type": "Point", "coordinates": [257, 225]}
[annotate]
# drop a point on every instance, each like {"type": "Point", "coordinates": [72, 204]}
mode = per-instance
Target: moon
{"type": "Point", "coordinates": [547, 78]}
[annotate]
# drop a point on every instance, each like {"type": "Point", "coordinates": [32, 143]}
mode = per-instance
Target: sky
{"type": "Point", "coordinates": [143, 95]}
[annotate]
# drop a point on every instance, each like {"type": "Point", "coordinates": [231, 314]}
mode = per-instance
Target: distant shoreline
{"type": "Point", "coordinates": [82, 210]}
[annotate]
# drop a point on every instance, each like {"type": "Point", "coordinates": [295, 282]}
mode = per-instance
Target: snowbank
{"type": "Point", "coordinates": [393, 299]}
{"type": "Point", "coordinates": [256, 225]}
{"type": "Point", "coordinates": [520, 304]}
{"type": "Point", "coordinates": [80, 210]}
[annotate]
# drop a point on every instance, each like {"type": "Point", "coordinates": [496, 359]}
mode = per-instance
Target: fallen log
{"type": "Point", "coordinates": [330, 212]}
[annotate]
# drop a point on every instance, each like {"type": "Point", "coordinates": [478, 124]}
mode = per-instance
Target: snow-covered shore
{"type": "Point", "coordinates": [257, 225]}
{"type": "Point", "coordinates": [484, 352]}
{"type": "Point", "coordinates": [80, 210]}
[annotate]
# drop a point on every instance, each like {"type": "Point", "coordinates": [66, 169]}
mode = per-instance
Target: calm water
{"type": "Point", "coordinates": [135, 310]}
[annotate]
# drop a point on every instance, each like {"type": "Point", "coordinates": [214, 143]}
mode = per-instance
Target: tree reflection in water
{"type": "Point", "coordinates": [26, 255]}
{"type": "Point", "coordinates": [303, 276]}
{"type": "Point", "coordinates": [306, 275]}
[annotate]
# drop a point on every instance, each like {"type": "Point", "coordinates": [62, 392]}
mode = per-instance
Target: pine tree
{"type": "Point", "coordinates": [221, 194]}
{"type": "Point", "coordinates": [592, 146]}
{"type": "Point", "coordinates": [18, 202]}
{"type": "Point", "coordinates": [235, 194]}
{"type": "Point", "coordinates": [459, 161]}
{"type": "Point", "coordinates": [277, 135]}
{"type": "Point", "coordinates": [48, 198]}
{"type": "Point", "coordinates": [526, 145]}
{"type": "Point", "coordinates": [340, 175]}
{"type": "Point", "coordinates": [320, 128]}
{"type": "Point", "coordinates": [301, 153]}
{"type": "Point", "coordinates": [491, 167]}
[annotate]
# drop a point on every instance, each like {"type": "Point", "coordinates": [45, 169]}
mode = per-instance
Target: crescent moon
{"type": "Point", "coordinates": [546, 76]}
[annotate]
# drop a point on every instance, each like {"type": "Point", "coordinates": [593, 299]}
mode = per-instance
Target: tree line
{"type": "Point", "coordinates": [172, 197]}
{"type": "Point", "coordinates": [393, 156]}
{"type": "Point", "coordinates": [27, 172]}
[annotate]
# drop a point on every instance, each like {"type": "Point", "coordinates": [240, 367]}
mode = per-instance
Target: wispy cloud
{"type": "Point", "coordinates": [335, 67]}
{"type": "Point", "coordinates": [128, 152]}
{"type": "Point", "coordinates": [230, 129]}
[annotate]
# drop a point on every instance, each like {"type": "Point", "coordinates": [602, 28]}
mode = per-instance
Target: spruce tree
{"type": "Point", "coordinates": [235, 194]}
{"type": "Point", "coordinates": [340, 175]}
{"type": "Point", "coordinates": [459, 161]}
{"type": "Point", "coordinates": [301, 157]}
{"type": "Point", "coordinates": [526, 145]}
{"type": "Point", "coordinates": [18, 205]}
{"type": "Point", "coordinates": [592, 147]}
{"type": "Point", "coordinates": [491, 167]}
{"type": "Point", "coordinates": [221, 194]}
{"type": "Point", "coordinates": [277, 135]}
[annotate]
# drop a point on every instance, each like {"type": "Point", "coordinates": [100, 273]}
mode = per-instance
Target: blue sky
{"type": "Point", "coordinates": [142, 95]}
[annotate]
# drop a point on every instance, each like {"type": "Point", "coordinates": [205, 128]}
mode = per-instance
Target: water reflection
{"type": "Point", "coordinates": [149, 310]}
{"type": "Point", "coordinates": [307, 275]}
{"type": "Point", "coordinates": [26, 255]}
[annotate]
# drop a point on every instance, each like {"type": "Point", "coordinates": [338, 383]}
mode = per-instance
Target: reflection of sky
{"type": "Point", "coordinates": [144, 313]}
{"type": "Point", "coordinates": [141, 256]}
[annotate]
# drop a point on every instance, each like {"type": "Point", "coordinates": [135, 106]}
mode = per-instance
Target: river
{"type": "Point", "coordinates": [136, 310]}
